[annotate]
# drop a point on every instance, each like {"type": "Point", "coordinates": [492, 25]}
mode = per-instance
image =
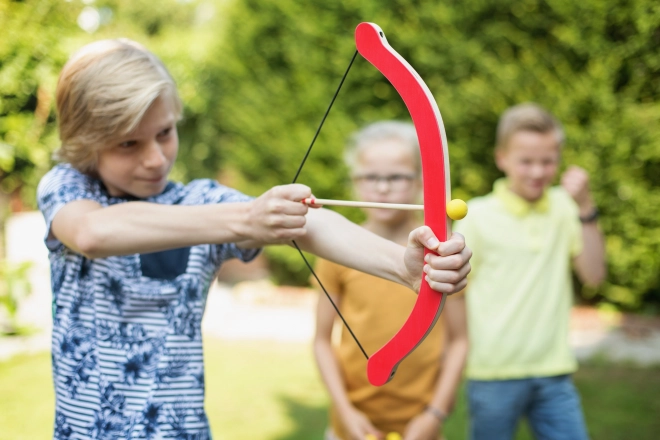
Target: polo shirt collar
{"type": "Point", "coordinates": [514, 203]}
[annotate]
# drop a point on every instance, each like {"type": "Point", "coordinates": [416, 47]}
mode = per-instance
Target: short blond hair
{"type": "Point", "coordinates": [102, 94]}
{"type": "Point", "coordinates": [527, 117]}
{"type": "Point", "coordinates": [379, 132]}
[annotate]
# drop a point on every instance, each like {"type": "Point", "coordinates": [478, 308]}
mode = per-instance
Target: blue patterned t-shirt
{"type": "Point", "coordinates": [127, 343]}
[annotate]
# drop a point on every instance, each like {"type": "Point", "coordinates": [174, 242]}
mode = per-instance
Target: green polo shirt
{"type": "Point", "coordinates": [520, 289]}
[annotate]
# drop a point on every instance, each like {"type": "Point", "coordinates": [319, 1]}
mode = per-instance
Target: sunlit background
{"type": "Point", "coordinates": [255, 78]}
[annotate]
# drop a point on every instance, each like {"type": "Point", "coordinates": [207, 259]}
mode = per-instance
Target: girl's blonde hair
{"type": "Point", "coordinates": [527, 117]}
{"type": "Point", "coordinates": [379, 132]}
{"type": "Point", "coordinates": [102, 94]}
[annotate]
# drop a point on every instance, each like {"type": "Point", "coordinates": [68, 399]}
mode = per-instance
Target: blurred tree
{"type": "Point", "coordinates": [30, 59]}
{"type": "Point", "coordinates": [594, 64]}
{"type": "Point", "coordinates": [256, 77]}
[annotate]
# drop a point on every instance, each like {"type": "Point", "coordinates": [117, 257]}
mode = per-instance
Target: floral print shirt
{"type": "Point", "coordinates": [127, 344]}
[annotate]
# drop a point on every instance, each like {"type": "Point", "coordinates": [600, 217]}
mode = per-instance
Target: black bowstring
{"type": "Point", "coordinates": [316, 135]}
{"type": "Point", "coordinates": [318, 130]}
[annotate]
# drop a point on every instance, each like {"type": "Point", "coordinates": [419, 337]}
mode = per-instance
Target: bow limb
{"type": "Point", "coordinates": [372, 45]}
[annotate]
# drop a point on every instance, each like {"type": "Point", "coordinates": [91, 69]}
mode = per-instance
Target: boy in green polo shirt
{"type": "Point", "coordinates": [525, 238]}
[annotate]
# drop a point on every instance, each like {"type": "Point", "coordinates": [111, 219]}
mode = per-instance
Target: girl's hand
{"type": "Point", "coordinates": [445, 272]}
{"type": "Point", "coordinates": [423, 427]}
{"type": "Point", "coordinates": [358, 426]}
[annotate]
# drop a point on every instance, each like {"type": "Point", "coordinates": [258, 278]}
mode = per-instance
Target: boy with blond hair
{"type": "Point", "coordinates": [525, 235]}
{"type": "Point", "coordinates": [133, 254]}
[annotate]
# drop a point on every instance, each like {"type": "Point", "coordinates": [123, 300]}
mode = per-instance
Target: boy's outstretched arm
{"type": "Point", "coordinates": [90, 229]}
{"type": "Point", "coordinates": [333, 237]}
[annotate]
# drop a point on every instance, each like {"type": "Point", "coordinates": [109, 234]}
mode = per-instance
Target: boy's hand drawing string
{"type": "Point", "coordinates": [372, 45]}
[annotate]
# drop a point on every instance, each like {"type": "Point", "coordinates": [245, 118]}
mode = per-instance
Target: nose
{"type": "Point", "coordinates": [153, 156]}
{"type": "Point", "coordinates": [382, 185]}
{"type": "Point", "coordinates": [537, 171]}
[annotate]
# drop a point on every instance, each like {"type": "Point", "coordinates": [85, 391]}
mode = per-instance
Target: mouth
{"type": "Point", "coordinates": [536, 184]}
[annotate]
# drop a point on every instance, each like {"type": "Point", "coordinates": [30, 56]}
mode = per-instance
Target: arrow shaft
{"type": "Point", "coordinates": [357, 204]}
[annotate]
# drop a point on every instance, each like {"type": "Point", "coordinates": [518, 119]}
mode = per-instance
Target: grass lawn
{"type": "Point", "coordinates": [259, 390]}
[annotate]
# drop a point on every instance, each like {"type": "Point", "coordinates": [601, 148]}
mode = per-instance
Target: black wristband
{"type": "Point", "coordinates": [590, 218]}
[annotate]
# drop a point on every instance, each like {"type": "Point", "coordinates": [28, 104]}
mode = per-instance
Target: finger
{"type": "Point", "coordinates": [454, 245]}
{"type": "Point", "coordinates": [283, 236]}
{"type": "Point", "coordinates": [451, 276]}
{"type": "Point", "coordinates": [423, 237]}
{"type": "Point", "coordinates": [294, 191]}
{"type": "Point", "coordinates": [372, 433]}
{"type": "Point", "coordinates": [312, 205]}
{"type": "Point", "coordinates": [370, 430]}
{"type": "Point", "coordinates": [284, 221]}
{"type": "Point", "coordinates": [289, 207]}
{"type": "Point", "coordinates": [276, 205]}
{"type": "Point", "coordinates": [576, 173]}
{"type": "Point", "coordinates": [449, 262]}
{"type": "Point", "coordinates": [448, 288]}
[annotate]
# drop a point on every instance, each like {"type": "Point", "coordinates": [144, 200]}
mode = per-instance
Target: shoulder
{"type": "Point", "coordinates": [65, 181]}
{"type": "Point", "coordinates": [62, 174]}
{"type": "Point", "coordinates": [208, 191]}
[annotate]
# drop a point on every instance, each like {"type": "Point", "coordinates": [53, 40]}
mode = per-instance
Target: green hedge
{"type": "Point", "coordinates": [594, 63]}
{"type": "Point", "coordinates": [256, 77]}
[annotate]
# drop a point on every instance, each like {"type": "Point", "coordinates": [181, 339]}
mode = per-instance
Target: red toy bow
{"type": "Point", "coordinates": [372, 45]}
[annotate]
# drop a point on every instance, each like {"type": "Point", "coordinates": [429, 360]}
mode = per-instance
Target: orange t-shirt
{"type": "Point", "coordinates": [376, 309]}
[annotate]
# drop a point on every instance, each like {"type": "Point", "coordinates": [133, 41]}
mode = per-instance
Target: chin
{"type": "Point", "coordinates": [151, 190]}
{"type": "Point", "coordinates": [534, 195]}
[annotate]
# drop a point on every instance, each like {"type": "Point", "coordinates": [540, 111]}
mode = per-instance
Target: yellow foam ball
{"type": "Point", "coordinates": [457, 209]}
{"type": "Point", "coordinates": [393, 436]}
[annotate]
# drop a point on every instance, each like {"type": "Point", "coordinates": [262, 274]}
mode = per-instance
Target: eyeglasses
{"type": "Point", "coordinates": [395, 182]}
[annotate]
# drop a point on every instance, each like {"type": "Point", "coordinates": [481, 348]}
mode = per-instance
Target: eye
{"type": "Point", "coordinates": [127, 144]}
{"type": "Point", "coordinates": [165, 132]}
{"type": "Point", "coordinates": [400, 177]}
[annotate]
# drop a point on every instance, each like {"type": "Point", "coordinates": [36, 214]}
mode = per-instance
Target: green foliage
{"type": "Point", "coordinates": [14, 286]}
{"type": "Point", "coordinates": [257, 76]}
{"type": "Point", "coordinates": [594, 64]}
{"type": "Point", "coordinates": [30, 59]}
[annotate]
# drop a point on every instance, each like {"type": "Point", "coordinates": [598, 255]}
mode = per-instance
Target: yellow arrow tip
{"type": "Point", "coordinates": [457, 209]}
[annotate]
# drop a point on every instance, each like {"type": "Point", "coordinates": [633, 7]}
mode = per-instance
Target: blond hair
{"type": "Point", "coordinates": [383, 131]}
{"type": "Point", "coordinates": [102, 94]}
{"type": "Point", "coordinates": [526, 117]}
